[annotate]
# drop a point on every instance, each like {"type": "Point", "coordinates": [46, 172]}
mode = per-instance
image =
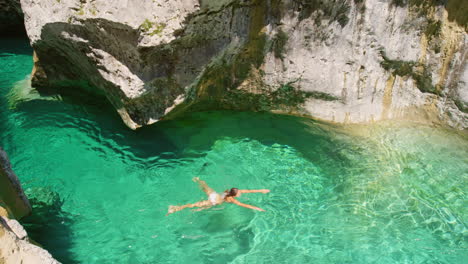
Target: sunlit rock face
{"type": "Point", "coordinates": [345, 61]}
{"type": "Point", "coordinates": [16, 248]}
{"type": "Point", "coordinates": [11, 17]}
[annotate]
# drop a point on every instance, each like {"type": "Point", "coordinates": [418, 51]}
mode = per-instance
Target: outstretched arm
{"type": "Point", "coordinates": [175, 208]}
{"type": "Point", "coordinates": [246, 205]}
{"type": "Point", "coordinates": [255, 191]}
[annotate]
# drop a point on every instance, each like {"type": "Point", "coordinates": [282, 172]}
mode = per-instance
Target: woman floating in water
{"type": "Point", "coordinates": [216, 199]}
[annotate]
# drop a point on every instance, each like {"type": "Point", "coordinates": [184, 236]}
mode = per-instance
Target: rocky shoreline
{"type": "Point", "coordinates": [16, 247]}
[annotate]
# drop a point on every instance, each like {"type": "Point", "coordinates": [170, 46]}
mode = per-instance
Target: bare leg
{"type": "Point", "coordinates": [176, 208]}
{"type": "Point", "coordinates": [203, 185]}
{"type": "Point", "coordinates": [201, 209]}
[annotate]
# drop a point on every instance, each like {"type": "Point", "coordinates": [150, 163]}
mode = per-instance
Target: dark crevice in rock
{"type": "Point", "coordinates": [11, 19]}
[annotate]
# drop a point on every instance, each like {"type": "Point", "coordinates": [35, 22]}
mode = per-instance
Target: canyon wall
{"type": "Point", "coordinates": [346, 61]}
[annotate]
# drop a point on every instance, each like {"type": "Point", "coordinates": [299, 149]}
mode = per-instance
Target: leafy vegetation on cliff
{"type": "Point", "coordinates": [278, 44]}
{"type": "Point", "coordinates": [332, 10]}
{"type": "Point", "coordinates": [418, 71]}
{"type": "Point", "coordinates": [155, 28]}
{"type": "Point", "coordinates": [457, 9]}
{"type": "Point", "coordinates": [461, 106]}
{"type": "Point", "coordinates": [286, 97]}
{"type": "Point", "coordinates": [433, 29]}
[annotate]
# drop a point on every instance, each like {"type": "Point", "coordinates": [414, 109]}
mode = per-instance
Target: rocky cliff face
{"type": "Point", "coordinates": [12, 196]}
{"type": "Point", "coordinates": [16, 248]}
{"type": "Point", "coordinates": [337, 60]}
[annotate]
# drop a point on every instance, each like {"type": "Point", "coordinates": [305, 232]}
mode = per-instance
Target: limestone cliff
{"type": "Point", "coordinates": [336, 60]}
{"type": "Point", "coordinates": [11, 194]}
{"type": "Point", "coordinates": [16, 248]}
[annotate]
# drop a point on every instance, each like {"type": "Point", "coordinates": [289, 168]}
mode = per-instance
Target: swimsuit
{"type": "Point", "coordinates": [214, 198]}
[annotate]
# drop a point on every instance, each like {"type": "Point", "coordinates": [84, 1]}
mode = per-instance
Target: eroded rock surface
{"type": "Point", "coordinates": [14, 249]}
{"type": "Point", "coordinates": [12, 196]}
{"type": "Point", "coordinates": [336, 60]}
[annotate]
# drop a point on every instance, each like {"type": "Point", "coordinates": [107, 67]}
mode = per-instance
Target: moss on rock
{"type": "Point", "coordinates": [278, 44]}
{"type": "Point", "coordinates": [433, 29]}
{"type": "Point", "coordinates": [286, 97]}
{"type": "Point", "coordinates": [232, 70]}
{"type": "Point", "coordinates": [419, 72]}
{"type": "Point", "coordinates": [461, 106]}
{"type": "Point", "coordinates": [457, 9]}
{"type": "Point", "coordinates": [458, 12]}
{"type": "Point", "coordinates": [332, 10]}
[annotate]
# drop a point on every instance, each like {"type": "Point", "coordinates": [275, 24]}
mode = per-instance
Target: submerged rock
{"type": "Point", "coordinates": [45, 204]}
{"type": "Point", "coordinates": [12, 196]}
{"type": "Point", "coordinates": [336, 60]}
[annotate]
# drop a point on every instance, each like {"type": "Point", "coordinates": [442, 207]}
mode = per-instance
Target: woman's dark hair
{"type": "Point", "coordinates": [233, 192]}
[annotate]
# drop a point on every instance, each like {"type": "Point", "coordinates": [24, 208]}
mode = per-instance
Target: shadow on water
{"type": "Point", "coordinates": [12, 46]}
{"type": "Point", "coordinates": [226, 230]}
{"type": "Point", "coordinates": [189, 136]}
{"type": "Point", "coordinates": [48, 224]}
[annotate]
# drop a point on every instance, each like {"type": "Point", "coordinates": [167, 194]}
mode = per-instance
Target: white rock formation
{"type": "Point", "coordinates": [15, 249]}
{"type": "Point", "coordinates": [336, 60]}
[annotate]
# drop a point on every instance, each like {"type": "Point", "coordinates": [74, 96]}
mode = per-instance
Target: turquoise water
{"type": "Point", "coordinates": [390, 193]}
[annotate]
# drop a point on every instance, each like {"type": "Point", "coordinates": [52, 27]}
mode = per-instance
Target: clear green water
{"type": "Point", "coordinates": [393, 193]}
